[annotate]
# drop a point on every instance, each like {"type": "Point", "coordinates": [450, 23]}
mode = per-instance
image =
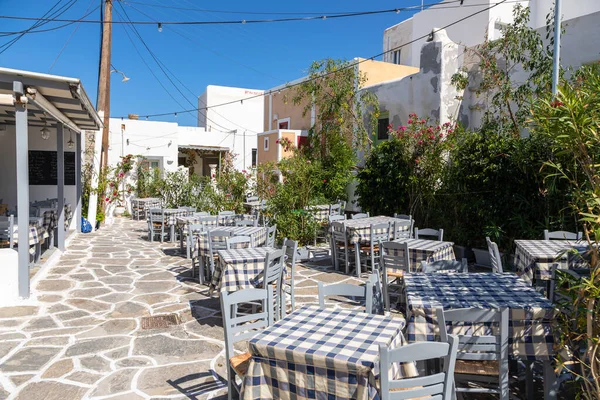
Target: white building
{"type": "Point", "coordinates": [487, 25]}
{"type": "Point", "coordinates": [239, 113]}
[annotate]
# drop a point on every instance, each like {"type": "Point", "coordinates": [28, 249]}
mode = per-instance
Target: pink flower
{"type": "Point", "coordinates": [324, 180]}
{"type": "Point", "coordinates": [308, 161]}
{"type": "Point", "coordinates": [412, 115]}
{"type": "Point", "coordinates": [410, 121]}
{"type": "Point", "coordinates": [420, 142]}
{"type": "Point", "coordinates": [441, 135]}
{"type": "Point", "coordinates": [450, 131]}
{"type": "Point", "coordinates": [244, 171]}
{"type": "Point", "coordinates": [121, 175]}
{"type": "Point", "coordinates": [446, 124]}
{"type": "Point", "coordinates": [403, 128]}
{"type": "Point", "coordinates": [277, 141]}
{"type": "Point", "coordinates": [423, 121]}
{"type": "Point", "coordinates": [431, 137]}
{"type": "Point", "coordinates": [213, 175]}
{"type": "Point", "coordinates": [107, 199]}
{"type": "Point", "coordinates": [417, 161]}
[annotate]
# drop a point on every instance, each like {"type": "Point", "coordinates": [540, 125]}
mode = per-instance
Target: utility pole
{"type": "Point", "coordinates": [557, 33]}
{"type": "Point", "coordinates": [103, 104]}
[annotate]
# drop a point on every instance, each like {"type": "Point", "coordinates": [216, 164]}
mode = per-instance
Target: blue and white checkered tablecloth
{"type": "Point", "coordinates": [428, 251]}
{"type": "Point", "coordinates": [319, 212]}
{"type": "Point", "coordinates": [318, 353]}
{"type": "Point", "coordinates": [258, 235]}
{"type": "Point", "coordinates": [359, 230]}
{"type": "Point", "coordinates": [239, 269]}
{"type": "Point", "coordinates": [531, 315]}
{"type": "Point", "coordinates": [50, 218]}
{"type": "Point", "coordinates": [535, 258]}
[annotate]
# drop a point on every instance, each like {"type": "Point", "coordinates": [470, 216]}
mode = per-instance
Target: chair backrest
{"type": "Point", "coordinates": [274, 261]}
{"type": "Point", "coordinates": [224, 213]}
{"type": "Point", "coordinates": [495, 258]}
{"type": "Point", "coordinates": [436, 386]}
{"type": "Point", "coordinates": [347, 290]}
{"type": "Point", "coordinates": [189, 209]}
{"type": "Point", "coordinates": [395, 256]}
{"type": "Point", "coordinates": [238, 242]}
{"type": "Point", "coordinates": [209, 220]}
{"type": "Point", "coordinates": [402, 229]}
{"type": "Point", "coordinates": [241, 327]}
{"type": "Point", "coordinates": [247, 222]}
{"type": "Point", "coordinates": [380, 233]}
{"type": "Point", "coordinates": [251, 198]}
{"type": "Point", "coordinates": [271, 233]}
{"type": "Point", "coordinates": [338, 233]}
{"type": "Point", "coordinates": [157, 215]}
{"type": "Point", "coordinates": [360, 215]}
{"type": "Point", "coordinates": [562, 235]}
{"type": "Point", "coordinates": [195, 228]}
{"type": "Point", "coordinates": [403, 216]}
{"type": "Point", "coordinates": [332, 218]}
{"type": "Point", "coordinates": [291, 253]}
{"type": "Point", "coordinates": [483, 346]}
{"type": "Point", "coordinates": [335, 209]}
{"type": "Point", "coordinates": [445, 266]}
{"type": "Point", "coordinates": [425, 233]}
{"type": "Point", "coordinates": [217, 240]}
{"type": "Point", "coordinates": [201, 214]}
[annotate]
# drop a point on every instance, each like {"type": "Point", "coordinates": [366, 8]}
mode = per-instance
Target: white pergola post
{"type": "Point", "coordinates": [60, 186]}
{"type": "Point", "coordinates": [78, 140]}
{"type": "Point", "coordinates": [22, 140]}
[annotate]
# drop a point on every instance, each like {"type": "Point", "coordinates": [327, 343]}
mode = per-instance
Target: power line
{"type": "Point", "coordinates": [349, 65]}
{"type": "Point", "coordinates": [28, 31]}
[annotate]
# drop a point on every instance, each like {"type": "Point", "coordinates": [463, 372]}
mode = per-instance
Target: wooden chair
{"type": "Point", "coordinates": [562, 235]}
{"type": "Point", "coordinates": [250, 199]}
{"type": "Point", "coordinates": [437, 386]}
{"type": "Point", "coordinates": [226, 218]}
{"type": "Point", "coordinates": [247, 222]}
{"type": "Point", "coordinates": [291, 254]}
{"type": "Point", "coordinates": [335, 209]}
{"type": "Point", "coordinates": [340, 249]}
{"type": "Point", "coordinates": [201, 214]}
{"type": "Point", "coordinates": [189, 210]}
{"type": "Point", "coordinates": [435, 234]}
{"type": "Point", "coordinates": [407, 217]}
{"type": "Point", "coordinates": [156, 224]}
{"type": "Point", "coordinates": [7, 229]}
{"type": "Point", "coordinates": [208, 220]}
{"type": "Point", "coordinates": [480, 357]}
{"type": "Point", "coordinates": [273, 279]}
{"type": "Point", "coordinates": [190, 233]}
{"type": "Point", "coordinates": [445, 266]}
{"type": "Point", "coordinates": [379, 233]}
{"type": "Point", "coordinates": [394, 263]}
{"type": "Point", "coordinates": [401, 230]}
{"type": "Point", "coordinates": [360, 293]}
{"type": "Point", "coordinates": [217, 240]}
{"type": "Point", "coordinates": [271, 234]}
{"type": "Point", "coordinates": [495, 258]}
{"type": "Point", "coordinates": [238, 328]}
{"type": "Point", "coordinates": [359, 216]}
{"type": "Point", "coordinates": [238, 242]}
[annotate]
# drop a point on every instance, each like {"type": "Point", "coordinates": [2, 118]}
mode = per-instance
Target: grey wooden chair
{"type": "Point", "coordinates": [495, 258]}
{"type": "Point", "coordinates": [480, 357]}
{"type": "Point", "coordinates": [238, 328]}
{"type": "Point", "coordinates": [437, 386]}
{"type": "Point", "coordinates": [247, 222]}
{"type": "Point", "coordinates": [156, 224]}
{"type": "Point", "coordinates": [340, 249]}
{"type": "Point", "coordinates": [201, 214]}
{"type": "Point", "coordinates": [208, 220]}
{"type": "Point", "coordinates": [273, 279]}
{"type": "Point", "coordinates": [191, 232]}
{"type": "Point", "coordinates": [188, 209]}
{"type": "Point", "coordinates": [428, 233]}
{"type": "Point", "coordinates": [562, 235]}
{"type": "Point", "coordinates": [370, 253]}
{"type": "Point", "coordinates": [394, 263]}
{"type": "Point", "coordinates": [271, 235]}
{"type": "Point", "coordinates": [407, 217]}
{"type": "Point", "coordinates": [7, 229]}
{"type": "Point", "coordinates": [360, 293]}
{"type": "Point", "coordinates": [359, 216]}
{"type": "Point", "coordinates": [238, 242]}
{"type": "Point", "coordinates": [401, 230]}
{"type": "Point", "coordinates": [217, 240]}
{"type": "Point", "coordinates": [291, 254]}
{"type": "Point", "coordinates": [335, 209]}
{"type": "Point", "coordinates": [445, 266]}
{"type": "Point", "coordinates": [226, 218]}
{"type": "Point", "coordinates": [251, 199]}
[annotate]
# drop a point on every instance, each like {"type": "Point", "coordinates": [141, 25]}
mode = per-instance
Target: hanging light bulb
{"type": "Point", "coordinates": [70, 143]}
{"type": "Point", "coordinates": [159, 27]}
{"type": "Point", "coordinates": [45, 131]}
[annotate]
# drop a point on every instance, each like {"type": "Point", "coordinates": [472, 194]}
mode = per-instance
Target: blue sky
{"type": "Point", "coordinates": [257, 56]}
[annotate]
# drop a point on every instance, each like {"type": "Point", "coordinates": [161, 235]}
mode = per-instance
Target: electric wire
{"type": "Point", "coordinates": [349, 65]}
{"type": "Point", "coordinates": [27, 31]}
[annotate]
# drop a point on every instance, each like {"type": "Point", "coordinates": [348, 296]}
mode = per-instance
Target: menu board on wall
{"type": "Point", "coordinates": [43, 167]}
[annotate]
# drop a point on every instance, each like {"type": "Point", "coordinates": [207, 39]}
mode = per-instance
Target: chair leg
{"type": "Point", "coordinates": [357, 257]}
{"type": "Point", "coordinates": [529, 379]}
{"type": "Point", "coordinates": [230, 379]}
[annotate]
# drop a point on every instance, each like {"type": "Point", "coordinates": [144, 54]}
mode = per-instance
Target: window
{"type": "Point", "coordinates": [254, 156]}
{"type": "Point", "coordinates": [181, 161]}
{"type": "Point", "coordinates": [283, 123]}
{"type": "Point", "coordinates": [396, 56]}
{"type": "Point", "coordinates": [266, 144]}
{"type": "Point", "coordinates": [152, 163]}
{"type": "Point", "coordinates": [382, 128]}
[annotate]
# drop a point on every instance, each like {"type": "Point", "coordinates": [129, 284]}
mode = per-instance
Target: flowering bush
{"type": "Point", "coordinates": [116, 189]}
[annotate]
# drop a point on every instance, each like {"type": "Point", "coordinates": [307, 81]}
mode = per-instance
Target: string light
{"type": "Point", "coordinates": [160, 27]}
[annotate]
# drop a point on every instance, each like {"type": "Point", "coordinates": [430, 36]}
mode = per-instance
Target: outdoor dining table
{"type": "Point", "coordinates": [37, 235]}
{"type": "Point", "coordinates": [320, 212]}
{"type": "Point", "coordinates": [428, 251]}
{"type": "Point", "coordinates": [183, 223]}
{"type": "Point", "coordinates": [322, 353]}
{"type": "Point", "coordinates": [253, 206]}
{"type": "Point", "coordinates": [142, 205]}
{"type": "Point", "coordinates": [171, 215]}
{"type": "Point", "coordinates": [239, 269]}
{"type": "Point", "coordinates": [534, 258]}
{"type": "Point", "coordinates": [531, 335]}
{"type": "Point", "coordinates": [50, 217]}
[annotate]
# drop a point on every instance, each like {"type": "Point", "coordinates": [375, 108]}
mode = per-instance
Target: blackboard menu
{"type": "Point", "coordinates": [43, 167]}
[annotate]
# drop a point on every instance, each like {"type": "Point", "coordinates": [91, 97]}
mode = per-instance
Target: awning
{"type": "Point", "coordinates": [205, 148]}
{"type": "Point", "coordinates": [51, 98]}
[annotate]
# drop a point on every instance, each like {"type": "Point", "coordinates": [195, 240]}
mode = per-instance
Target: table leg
{"type": "Point", "coordinates": [200, 269]}
{"type": "Point", "coordinates": [180, 240]}
{"type": "Point", "coordinates": [550, 381]}
{"type": "Point", "coordinates": [357, 258]}
{"type": "Point", "coordinates": [188, 241]}
{"type": "Point", "coordinates": [529, 379]}
{"type": "Point", "coordinates": [172, 233]}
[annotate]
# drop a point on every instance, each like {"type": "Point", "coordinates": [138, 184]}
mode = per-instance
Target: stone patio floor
{"type": "Point", "coordinates": [83, 337]}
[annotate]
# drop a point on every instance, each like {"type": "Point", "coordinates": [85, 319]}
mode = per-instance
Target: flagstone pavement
{"type": "Point", "coordinates": [83, 337]}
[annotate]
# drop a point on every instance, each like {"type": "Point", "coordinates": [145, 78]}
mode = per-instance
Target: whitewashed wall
{"type": "Point", "coordinates": [8, 174]}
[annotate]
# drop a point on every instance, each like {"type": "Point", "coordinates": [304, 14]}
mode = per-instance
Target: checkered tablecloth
{"type": "Point", "coordinates": [531, 315]}
{"type": "Point", "coordinates": [322, 354]}
{"type": "Point", "coordinates": [258, 235]}
{"type": "Point", "coordinates": [37, 234]}
{"type": "Point", "coordinates": [50, 218]}
{"type": "Point", "coordinates": [319, 212]}
{"type": "Point", "coordinates": [239, 269]}
{"type": "Point", "coordinates": [535, 258]}
{"type": "Point", "coordinates": [428, 251]}
{"type": "Point", "coordinates": [359, 230]}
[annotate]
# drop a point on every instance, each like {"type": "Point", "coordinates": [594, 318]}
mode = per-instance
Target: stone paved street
{"type": "Point", "coordinates": [83, 337]}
